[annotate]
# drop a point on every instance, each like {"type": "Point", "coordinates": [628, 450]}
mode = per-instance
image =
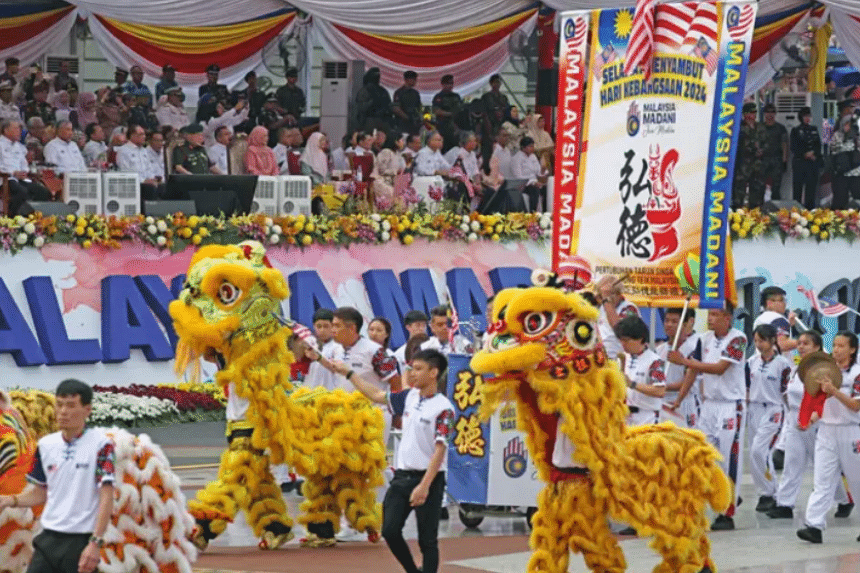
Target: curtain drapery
{"type": "Point", "coordinates": [29, 31]}
{"type": "Point", "coordinates": [180, 12]}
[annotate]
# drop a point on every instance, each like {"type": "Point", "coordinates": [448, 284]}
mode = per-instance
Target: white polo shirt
{"type": "Point", "coordinates": [644, 369]}
{"type": "Point", "coordinates": [426, 422]}
{"type": "Point", "coordinates": [835, 411]}
{"type": "Point", "coordinates": [794, 392]}
{"type": "Point", "coordinates": [731, 385]}
{"type": "Point", "coordinates": [370, 361]}
{"type": "Point", "coordinates": [73, 472]}
{"type": "Point", "coordinates": [13, 156]}
{"type": "Point", "coordinates": [65, 155]}
{"type": "Point", "coordinates": [607, 334]}
{"type": "Point", "coordinates": [320, 376]}
{"type": "Point", "coordinates": [675, 372]}
{"type": "Point", "coordinates": [768, 380]}
{"type": "Point", "coordinates": [133, 159]}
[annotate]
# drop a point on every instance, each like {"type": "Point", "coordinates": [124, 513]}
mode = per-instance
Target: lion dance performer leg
{"type": "Point", "coordinates": [542, 351]}
{"type": "Point", "coordinates": [230, 310]}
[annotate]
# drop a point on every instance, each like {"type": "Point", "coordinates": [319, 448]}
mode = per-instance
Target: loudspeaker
{"type": "Point", "coordinates": [167, 208]}
{"type": "Point", "coordinates": [503, 200]}
{"type": "Point", "coordinates": [774, 206]}
{"type": "Point", "coordinates": [853, 204]}
{"type": "Point", "coordinates": [547, 87]}
{"type": "Point", "coordinates": [46, 208]}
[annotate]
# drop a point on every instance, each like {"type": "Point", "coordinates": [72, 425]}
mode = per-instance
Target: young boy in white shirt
{"type": "Point", "coordinates": [644, 372]}
{"type": "Point", "coordinates": [419, 474]}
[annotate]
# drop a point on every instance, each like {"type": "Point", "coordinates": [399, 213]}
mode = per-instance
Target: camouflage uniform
{"type": "Point", "coordinates": [749, 166]}
{"type": "Point", "coordinates": [194, 159]}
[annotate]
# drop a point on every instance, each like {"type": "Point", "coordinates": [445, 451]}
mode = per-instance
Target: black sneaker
{"type": "Point", "coordinates": [810, 534]}
{"type": "Point", "coordinates": [765, 503]}
{"type": "Point", "coordinates": [628, 531]}
{"type": "Point", "coordinates": [780, 512]}
{"type": "Point", "coordinates": [723, 523]}
{"type": "Point", "coordinates": [843, 510]}
{"type": "Point", "coordinates": [778, 459]}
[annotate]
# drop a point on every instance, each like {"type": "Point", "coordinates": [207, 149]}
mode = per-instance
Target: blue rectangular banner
{"type": "Point", "coordinates": [469, 449]}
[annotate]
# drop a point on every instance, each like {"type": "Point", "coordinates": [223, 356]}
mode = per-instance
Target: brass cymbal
{"type": "Point", "coordinates": [817, 367]}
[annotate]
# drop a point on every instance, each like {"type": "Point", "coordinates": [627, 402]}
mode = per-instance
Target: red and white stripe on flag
{"type": "Point", "coordinates": [640, 48]}
{"type": "Point", "coordinates": [684, 23]}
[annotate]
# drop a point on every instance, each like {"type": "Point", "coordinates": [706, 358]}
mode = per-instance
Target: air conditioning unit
{"type": "Point", "coordinates": [83, 192]}
{"type": "Point", "coordinates": [121, 194]}
{"type": "Point", "coordinates": [296, 195]}
{"type": "Point", "coordinates": [340, 84]}
{"type": "Point", "coordinates": [52, 64]}
{"type": "Point", "coordinates": [267, 195]}
{"type": "Point", "coordinates": [788, 104]}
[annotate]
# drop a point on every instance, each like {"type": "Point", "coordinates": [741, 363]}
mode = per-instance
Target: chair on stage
{"type": "Point", "coordinates": [294, 163]}
{"type": "Point", "coordinates": [5, 194]}
{"type": "Point", "coordinates": [168, 155]}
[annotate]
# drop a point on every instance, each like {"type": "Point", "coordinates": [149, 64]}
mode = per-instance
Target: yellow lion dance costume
{"type": "Point", "coordinates": [543, 350]}
{"type": "Point", "coordinates": [230, 309]}
{"type": "Point", "coordinates": [149, 528]}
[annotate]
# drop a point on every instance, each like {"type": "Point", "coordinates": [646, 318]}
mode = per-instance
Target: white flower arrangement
{"type": "Point", "coordinates": [124, 409]}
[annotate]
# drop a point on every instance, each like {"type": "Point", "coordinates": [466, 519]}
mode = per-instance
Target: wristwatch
{"type": "Point", "coordinates": [99, 541]}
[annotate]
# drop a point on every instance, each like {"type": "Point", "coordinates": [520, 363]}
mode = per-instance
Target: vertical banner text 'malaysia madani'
{"type": "Point", "coordinates": [649, 195]}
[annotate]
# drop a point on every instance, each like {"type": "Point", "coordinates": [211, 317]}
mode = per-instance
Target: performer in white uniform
{"type": "Point", "coordinates": [690, 346]}
{"type": "Point", "coordinates": [800, 444]}
{"type": "Point", "coordinates": [644, 372]}
{"type": "Point", "coordinates": [613, 308]}
{"type": "Point", "coordinates": [768, 373]}
{"type": "Point", "coordinates": [722, 416]}
{"type": "Point", "coordinates": [836, 445]}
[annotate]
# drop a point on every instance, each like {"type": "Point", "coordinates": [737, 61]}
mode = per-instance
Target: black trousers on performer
{"type": "Point", "coordinates": [56, 552]}
{"type": "Point", "coordinates": [395, 510]}
{"type": "Point", "coordinates": [535, 193]}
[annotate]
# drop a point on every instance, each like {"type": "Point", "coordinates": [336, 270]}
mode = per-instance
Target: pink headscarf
{"type": "Point", "coordinates": [260, 159]}
{"type": "Point", "coordinates": [314, 156]}
{"type": "Point", "coordinates": [86, 109]}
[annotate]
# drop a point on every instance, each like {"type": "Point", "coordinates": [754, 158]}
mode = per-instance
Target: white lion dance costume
{"type": "Point", "coordinates": [149, 529]}
{"type": "Point", "coordinates": [230, 310]}
{"type": "Point", "coordinates": [543, 352]}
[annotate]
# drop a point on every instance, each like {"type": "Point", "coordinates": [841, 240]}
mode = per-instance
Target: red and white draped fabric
{"type": "Point", "coordinates": [30, 30]}
{"type": "Point", "coordinates": [640, 48]}
{"type": "Point", "coordinates": [472, 55]}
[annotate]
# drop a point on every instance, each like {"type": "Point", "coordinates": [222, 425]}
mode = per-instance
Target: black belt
{"type": "Point", "coordinates": [573, 471]}
{"type": "Point", "coordinates": [410, 473]}
{"type": "Point", "coordinates": [633, 409]}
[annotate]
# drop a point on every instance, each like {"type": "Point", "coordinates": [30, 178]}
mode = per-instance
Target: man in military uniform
{"type": "Point", "coordinates": [407, 105]}
{"type": "Point", "coordinates": [496, 107]}
{"type": "Point", "coordinates": [775, 156]}
{"type": "Point", "coordinates": [806, 160]}
{"type": "Point", "coordinates": [291, 98]}
{"type": "Point", "coordinates": [167, 81]}
{"type": "Point", "coordinates": [373, 104]}
{"type": "Point", "coordinates": [218, 91]}
{"type": "Point", "coordinates": [12, 67]}
{"type": "Point", "coordinates": [190, 158]}
{"type": "Point", "coordinates": [749, 170]}
{"type": "Point", "coordinates": [446, 105]}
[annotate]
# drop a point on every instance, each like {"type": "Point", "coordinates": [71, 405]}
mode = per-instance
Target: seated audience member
{"type": "Point", "coordinates": [13, 160]}
{"type": "Point", "coordinates": [60, 103]}
{"type": "Point", "coordinates": [314, 159]}
{"type": "Point", "coordinates": [155, 153]}
{"type": "Point", "coordinates": [379, 138]}
{"type": "Point", "coordinates": [535, 125]}
{"type": "Point", "coordinates": [465, 155]}
{"type": "Point", "coordinates": [525, 165]}
{"type": "Point", "coordinates": [430, 160]}
{"type": "Point", "coordinates": [8, 110]}
{"type": "Point", "coordinates": [283, 148]}
{"type": "Point", "coordinates": [272, 119]}
{"type": "Point", "coordinates": [228, 118]}
{"type": "Point", "coordinates": [13, 68]}
{"type": "Point", "coordinates": [110, 109]}
{"type": "Point", "coordinates": [85, 111]}
{"type": "Point", "coordinates": [39, 106]}
{"type": "Point", "coordinates": [339, 159]}
{"type": "Point", "coordinates": [389, 163]}
{"type": "Point", "coordinates": [297, 140]}
{"type": "Point", "coordinates": [95, 150]}
{"type": "Point", "coordinates": [218, 151]}
{"type": "Point", "coordinates": [190, 157]}
{"type": "Point", "coordinates": [259, 158]}
{"type": "Point", "coordinates": [63, 152]}
{"type": "Point", "coordinates": [364, 145]}
{"type": "Point", "coordinates": [413, 146]}
{"type": "Point", "coordinates": [133, 158]}
{"type": "Point", "coordinates": [515, 127]}
{"type": "Point", "coordinates": [170, 110]}
{"type": "Point", "coordinates": [503, 154]}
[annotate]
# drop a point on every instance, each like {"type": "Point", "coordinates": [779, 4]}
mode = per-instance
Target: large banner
{"type": "Point", "coordinates": [653, 186]}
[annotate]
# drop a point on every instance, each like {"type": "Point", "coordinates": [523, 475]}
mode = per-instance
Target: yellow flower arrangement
{"type": "Point", "coordinates": [818, 224]}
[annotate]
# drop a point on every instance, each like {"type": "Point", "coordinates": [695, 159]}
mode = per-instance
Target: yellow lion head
{"type": "Point", "coordinates": [17, 447]}
{"type": "Point", "coordinates": [231, 293]}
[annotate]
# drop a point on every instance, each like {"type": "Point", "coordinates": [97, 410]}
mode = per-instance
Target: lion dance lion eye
{"type": "Point", "coordinates": [228, 293]}
{"type": "Point", "coordinates": [536, 322]}
{"type": "Point", "coordinates": [580, 334]}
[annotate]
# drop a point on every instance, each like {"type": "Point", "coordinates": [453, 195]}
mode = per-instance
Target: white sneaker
{"type": "Point", "coordinates": [350, 534]}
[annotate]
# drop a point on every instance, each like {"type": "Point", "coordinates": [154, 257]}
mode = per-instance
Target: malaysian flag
{"type": "Point", "coordinates": [303, 332]}
{"type": "Point", "coordinates": [706, 52]}
{"type": "Point", "coordinates": [825, 306]}
{"type": "Point", "coordinates": [455, 325]}
{"type": "Point", "coordinates": [640, 48]}
{"type": "Point", "coordinates": [604, 58]}
{"type": "Point", "coordinates": [681, 24]}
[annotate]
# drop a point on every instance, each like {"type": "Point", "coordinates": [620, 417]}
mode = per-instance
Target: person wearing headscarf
{"type": "Point", "coordinates": [314, 159]}
{"type": "Point", "coordinates": [260, 159]}
{"type": "Point", "coordinates": [85, 111]}
{"type": "Point", "coordinates": [516, 129]}
{"type": "Point", "coordinates": [389, 164]}
{"type": "Point", "coordinates": [535, 124]}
